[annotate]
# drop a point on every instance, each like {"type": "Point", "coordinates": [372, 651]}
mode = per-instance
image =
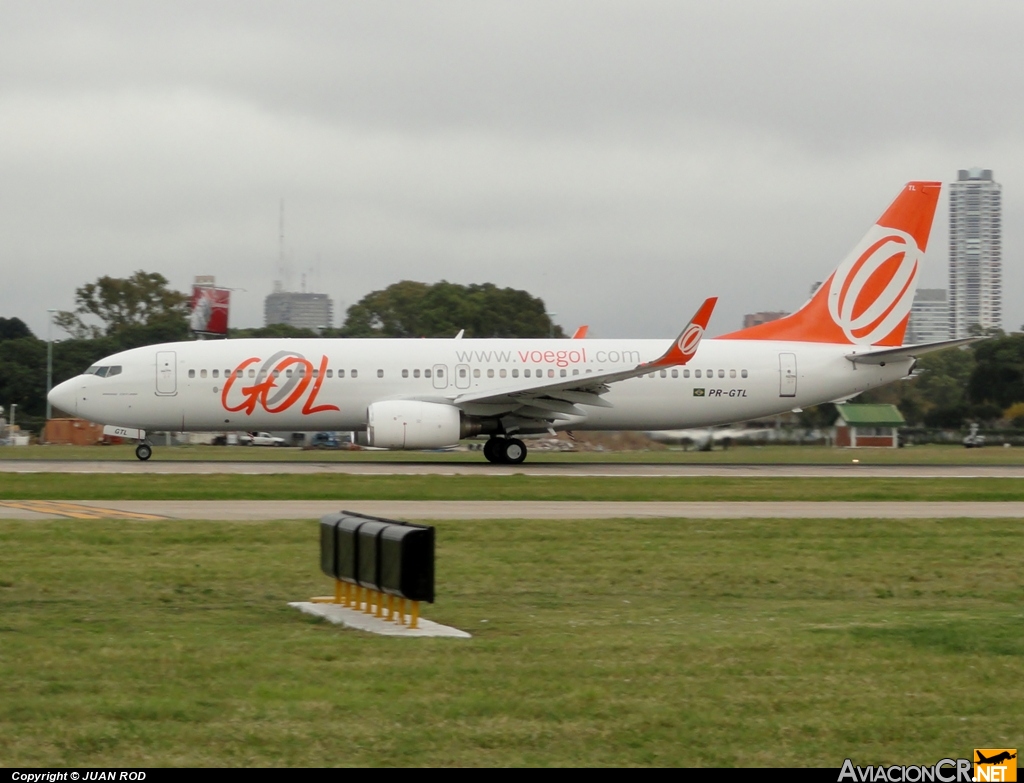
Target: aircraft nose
{"type": "Point", "coordinates": [64, 397]}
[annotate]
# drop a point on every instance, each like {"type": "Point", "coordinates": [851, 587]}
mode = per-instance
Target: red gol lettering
{"type": "Point", "coordinates": [261, 392]}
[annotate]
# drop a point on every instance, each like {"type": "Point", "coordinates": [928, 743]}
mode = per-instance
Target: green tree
{"type": "Point", "coordinates": [142, 303]}
{"type": "Point", "coordinates": [411, 309]}
{"type": "Point", "coordinates": [13, 328]}
{"type": "Point", "coordinates": [998, 375]}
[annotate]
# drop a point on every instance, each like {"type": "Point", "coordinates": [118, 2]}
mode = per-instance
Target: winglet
{"type": "Point", "coordinates": [685, 346]}
{"type": "Point", "coordinates": [580, 333]}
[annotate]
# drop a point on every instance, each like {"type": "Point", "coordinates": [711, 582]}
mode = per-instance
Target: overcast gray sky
{"type": "Point", "coordinates": [621, 160]}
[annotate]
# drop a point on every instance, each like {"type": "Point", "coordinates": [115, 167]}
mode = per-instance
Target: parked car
{"type": "Point", "coordinates": [260, 439]}
{"type": "Point", "coordinates": [324, 440]}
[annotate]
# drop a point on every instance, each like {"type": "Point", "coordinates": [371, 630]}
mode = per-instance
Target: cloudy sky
{"type": "Point", "coordinates": [621, 160]}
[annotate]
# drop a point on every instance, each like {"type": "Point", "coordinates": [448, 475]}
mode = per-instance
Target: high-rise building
{"type": "Point", "coordinates": [975, 252]}
{"type": "Point", "coordinates": [929, 317]}
{"type": "Point", "coordinates": [301, 310]}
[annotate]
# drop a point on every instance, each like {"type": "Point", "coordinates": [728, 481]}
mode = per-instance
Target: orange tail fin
{"type": "Point", "coordinates": [867, 299]}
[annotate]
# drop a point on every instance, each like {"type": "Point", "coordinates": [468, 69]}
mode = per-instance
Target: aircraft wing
{"type": "Point", "coordinates": [559, 400]}
{"type": "Point", "coordinates": [906, 351]}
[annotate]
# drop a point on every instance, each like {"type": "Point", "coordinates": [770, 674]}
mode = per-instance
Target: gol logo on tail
{"type": "Point", "coordinates": [873, 289]}
{"type": "Point", "coordinates": [273, 397]}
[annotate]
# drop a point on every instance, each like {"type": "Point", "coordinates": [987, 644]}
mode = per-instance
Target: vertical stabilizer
{"type": "Point", "coordinates": [867, 299]}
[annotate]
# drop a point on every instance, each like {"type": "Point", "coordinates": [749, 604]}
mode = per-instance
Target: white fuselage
{"type": "Point", "coordinates": [327, 384]}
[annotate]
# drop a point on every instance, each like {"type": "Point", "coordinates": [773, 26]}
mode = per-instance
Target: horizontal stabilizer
{"type": "Point", "coordinates": [907, 351]}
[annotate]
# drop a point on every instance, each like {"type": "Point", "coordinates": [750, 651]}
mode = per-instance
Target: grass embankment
{"type": "Point", "coordinates": [931, 454]}
{"type": "Point", "coordinates": [78, 486]}
{"type": "Point", "coordinates": [662, 642]}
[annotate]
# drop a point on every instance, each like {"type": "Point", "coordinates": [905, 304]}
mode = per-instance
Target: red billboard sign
{"type": "Point", "coordinates": [210, 308]}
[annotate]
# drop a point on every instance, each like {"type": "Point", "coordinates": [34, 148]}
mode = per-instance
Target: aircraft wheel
{"type": "Point", "coordinates": [492, 450]}
{"type": "Point", "coordinates": [513, 451]}
{"type": "Point", "coordinates": [143, 452]}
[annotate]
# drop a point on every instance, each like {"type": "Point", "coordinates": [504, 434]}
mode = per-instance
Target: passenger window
{"type": "Point", "coordinates": [575, 372]}
{"type": "Point", "coordinates": [301, 371]}
{"type": "Point", "coordinates": [551, 373]}
{"type": "Point", "coordinates": [686, 373]}
{"type": "Point", "coordinates": [562, 373]}
{"type": "Point", "coordinates": [462, 372]}
{"type": "Point", "coordinates": [440, 372]}
{"type": "Point", "coordinates": [664, 373]}
{"type": "Point", "coordinates": [743, 373]}
{"type": "Point", "coordinates": [216, 373]}
{"type": "Point", "coordinates": [721, 373]}
{"type": "Point", "coordinates": [502, 372]}
{"type": "Point", "coordinates": [191, 373]}
{"type": "Point", "coordinates": [380, 373]}
{"type": "Point", "coordinates": [330, 373]}
{"type": "Point", "coordinates": [426, 373]}
{"type": "Point", "coordinates": [732, 373]}
{"type": "Point", "coordinates": [316, 373]}
{"type": "Point", "coordinates": [515, 373]}
{"type": "Point", "coordinates": [476, 373]}
{"type": "Point", "coordinates": [696, 373]}
{"type": "Point", "coordinates": [288, 373]}
{"type": "Point", "coordinates": [675, 373]}
{"type": "Point", "coordinates": [202, 373]}
{"type": "Point", "coordinates": [252, 373]}
{"type": "Point", "coordinates": [526, 372]}
{"type": "Point", "coordinates": [355, 373]}
{"type": "Point", "coordinates": [415, 373]}
{"type": "Point", "coordinates": [490, 373]}
{"type": "Point", "coordinates": [341, 373]}
{"type": "Point", "coordinates": [405, 373]}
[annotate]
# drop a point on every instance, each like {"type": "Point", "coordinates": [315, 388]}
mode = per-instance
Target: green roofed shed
{"type": "Point", "coordinates": [868, 425]}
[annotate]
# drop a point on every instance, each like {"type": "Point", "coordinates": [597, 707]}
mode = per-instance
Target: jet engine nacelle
{"type": "Point", "coordinates": [409, 424]}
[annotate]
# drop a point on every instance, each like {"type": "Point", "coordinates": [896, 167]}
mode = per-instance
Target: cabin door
{"type": "Point", "coordinates": [166, 373]}
{"type": "Point", "coordinates": [787, 375]}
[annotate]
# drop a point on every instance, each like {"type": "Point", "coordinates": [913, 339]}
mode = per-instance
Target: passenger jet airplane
{"type": "Point", "coordinates": [427, 394]}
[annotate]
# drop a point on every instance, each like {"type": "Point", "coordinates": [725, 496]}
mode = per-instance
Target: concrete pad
{"type": "Point", "coordinates": [353, 618]}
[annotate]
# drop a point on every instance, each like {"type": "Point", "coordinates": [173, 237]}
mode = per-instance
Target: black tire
{"type": "Point", "coordinates": [143, 452]}
{"type": "Point", "coordinates": [513, 451]}
{"type": "Point", "coordinates": [493, 450]}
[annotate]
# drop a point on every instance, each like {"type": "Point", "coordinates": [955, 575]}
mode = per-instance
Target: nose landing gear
{"type": "Point", "coordinates": [505, 451]}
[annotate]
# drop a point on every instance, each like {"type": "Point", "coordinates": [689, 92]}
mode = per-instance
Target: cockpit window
{"type": "Point", "coordinates": [104, 372]}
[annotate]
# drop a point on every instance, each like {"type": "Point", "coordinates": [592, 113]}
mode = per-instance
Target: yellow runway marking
{"type": "Point", "coordinates": [75, 510]}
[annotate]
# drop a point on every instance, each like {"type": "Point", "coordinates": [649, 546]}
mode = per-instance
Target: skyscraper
{"type": "Point", "coordinates": [975, 252]}
{"type": "Point", "coordinates": [929, 317]}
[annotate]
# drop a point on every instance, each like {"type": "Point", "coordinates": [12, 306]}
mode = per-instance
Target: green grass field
{"type": "Point", "coordinates": [222, 486]}
{"type": "Point", "coordinates": [658, 642]}
{"type": "Point", "coordinates": [912, 455]}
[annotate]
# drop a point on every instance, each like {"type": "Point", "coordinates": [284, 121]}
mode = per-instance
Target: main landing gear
{"type": "Point", "coordinates": [143, 451]}
{"type": "Point", "coordinates": [505, 451]}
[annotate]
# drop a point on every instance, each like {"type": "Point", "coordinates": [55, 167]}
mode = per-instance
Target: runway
{"type": "Point", "coordinates": [474, 468]}
{"type": "Point", "coordinates": [260, 510]}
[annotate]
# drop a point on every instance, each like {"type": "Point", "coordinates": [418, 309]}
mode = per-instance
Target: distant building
{"type": "Point", "coordinates": [975, 252]}
{"type": "Point", "coordinates": [867, 425]}
{"type": "Point", "coordinates": [301, 310]}
{"type": "Point", "coordinates": [756, 319]}
{"type": "Point", "coordinates": [929, 317]}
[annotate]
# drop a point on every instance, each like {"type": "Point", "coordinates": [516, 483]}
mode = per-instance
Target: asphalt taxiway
{"type": "Point", "coordinates": [257, 510]}
{"type": "Point", "coordinates": [481, 468]}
